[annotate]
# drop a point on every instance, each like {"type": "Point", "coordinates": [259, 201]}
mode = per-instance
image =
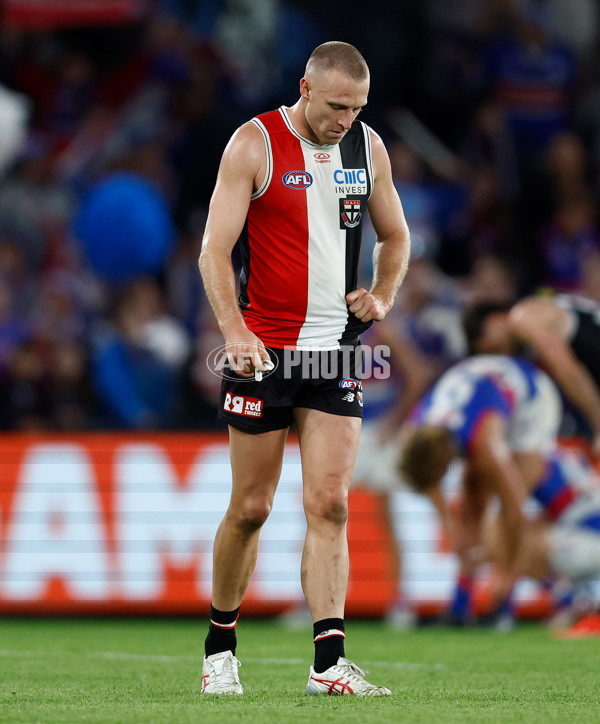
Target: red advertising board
{"type": "Point", "coordinates": [124, 524]}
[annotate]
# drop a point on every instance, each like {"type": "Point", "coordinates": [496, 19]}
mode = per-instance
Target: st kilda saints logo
{"type": "Point", "coordinates": [350, 213]}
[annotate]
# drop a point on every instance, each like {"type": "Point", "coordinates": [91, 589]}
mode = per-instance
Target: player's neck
{"type": "Point", "coordinates": [297, 116]}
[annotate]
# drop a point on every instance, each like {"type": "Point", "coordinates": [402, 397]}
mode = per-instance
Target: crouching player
{"type": "Point", "coordinates": [560, 547]}
{"type": "Point", "coordinates": [501, 414]}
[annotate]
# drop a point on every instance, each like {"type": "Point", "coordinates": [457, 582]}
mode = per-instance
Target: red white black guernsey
{"type": "Point", "coordinates": [585, 334]}
{"type": "Point", "coordinates": [301, 241]}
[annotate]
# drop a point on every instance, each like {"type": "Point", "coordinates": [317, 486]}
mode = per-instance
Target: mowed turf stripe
{"type": "Point", "coordinates": [120, 655]}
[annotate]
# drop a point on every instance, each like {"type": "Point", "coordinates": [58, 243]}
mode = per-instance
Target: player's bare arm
{"type": "Point", "coordinates": [475, 500]}
{"type": "Point", "coordinates": [533, 552]}
{"type": "Point", "coordinates": [461, 540]}
{"type": "Point", "coordinates": [417, 371]}
{"type": "Point", "coordinates": [544, 328]}
{"type": "Point", "coordinates": [392, 249]}
{"type": "Point", "coordinates": [242, 169]}
{"type": "Point", "coordinates": [491, 462]}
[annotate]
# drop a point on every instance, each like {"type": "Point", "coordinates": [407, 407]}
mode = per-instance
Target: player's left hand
{"type": "Point", "coordinates": [366, 306]}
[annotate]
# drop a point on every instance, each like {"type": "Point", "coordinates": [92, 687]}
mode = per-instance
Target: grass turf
{"type": "Point", "coordinates": [148, 671]}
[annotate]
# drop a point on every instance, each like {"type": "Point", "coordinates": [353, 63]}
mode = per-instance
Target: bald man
{"type": "Point", "coordinates": [293, 187]}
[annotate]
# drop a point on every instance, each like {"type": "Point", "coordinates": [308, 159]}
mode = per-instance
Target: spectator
{"type": "Point", "coordinates": [135, 364]}
{"type": "Point", "coordinates": [567, 243]}
{"type": "Point", "coordinates": [69, 390]}
{"type": "Point", "coordinates": [532, 75]}
{"type": "Point", "coordinates": [24, 402]}
{"type": "Point", "coordinates": [14, 331]}
{"type": "Point", "coordinates": [156, 100]}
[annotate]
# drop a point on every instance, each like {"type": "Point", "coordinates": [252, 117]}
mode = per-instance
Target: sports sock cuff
{"type": "Point", "coordinates": [465, 582]}
{"type": "Point", "coordinates": [507, 605]}
{"type": "Point", "coordinates": [461, 601]}
{"type": "Point", "coordinates": [331, 626]}
{"type": "Point", "coordinates": [224, 619]}
{"type": "Point", "coordinates": [329, 633]}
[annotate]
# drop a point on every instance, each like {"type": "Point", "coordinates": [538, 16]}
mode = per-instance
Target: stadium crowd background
{"type": "Point", "coordinates": [490, 110]}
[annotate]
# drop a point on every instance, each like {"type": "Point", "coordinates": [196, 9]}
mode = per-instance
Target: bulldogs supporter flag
{"type": "Point", "coordinates": [40, 14]}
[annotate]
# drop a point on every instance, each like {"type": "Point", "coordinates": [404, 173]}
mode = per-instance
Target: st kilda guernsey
{"type": "Point", "coordinates": [301, 242]}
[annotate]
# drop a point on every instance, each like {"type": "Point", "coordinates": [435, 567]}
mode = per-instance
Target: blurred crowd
{"type": "Point", "coordinates": [490, 110]}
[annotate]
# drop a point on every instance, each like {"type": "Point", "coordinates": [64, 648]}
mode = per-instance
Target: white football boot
{"type": "Point", "coordinates": [343, 679]}
{"type": "Point", "coordinates": [220, 674]}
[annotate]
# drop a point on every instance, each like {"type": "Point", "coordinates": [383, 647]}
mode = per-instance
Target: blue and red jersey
{"type": "Point", "coordinates": [470, 390]}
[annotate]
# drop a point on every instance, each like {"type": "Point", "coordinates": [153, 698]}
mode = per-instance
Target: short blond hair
{"type": "Point", "coordinates": [336, 55]}
{"type": "Point", "coordinates": [425, 457]}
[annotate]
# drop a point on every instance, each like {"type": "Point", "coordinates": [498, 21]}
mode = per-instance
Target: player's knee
{"type": "Point", "coordinates": [253, 515]}
{"type": "Point", "coordinates": [329, 505]}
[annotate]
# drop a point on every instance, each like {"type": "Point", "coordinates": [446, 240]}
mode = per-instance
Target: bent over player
{"type": "Point", "coordinates": [293, 186]}
{"type": "Point", "coordinates": [501, 414]}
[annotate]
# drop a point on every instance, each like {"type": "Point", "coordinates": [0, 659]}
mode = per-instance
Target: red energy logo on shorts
{"type": "Point", "coordinates": [240, 405]}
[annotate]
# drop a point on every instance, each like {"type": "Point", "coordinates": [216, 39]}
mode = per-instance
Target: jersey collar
{"type": "Point", "coordinates": [284, 114]}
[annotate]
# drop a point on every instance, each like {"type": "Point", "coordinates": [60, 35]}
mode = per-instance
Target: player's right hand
{"type": "Point", "coordinates": [247, 354]}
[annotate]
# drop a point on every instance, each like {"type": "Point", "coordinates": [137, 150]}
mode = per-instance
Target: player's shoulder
{"type": "Point", "coordinates": [378, 152]}
{"type": "Point", "coordinates": [246, 145]}
{"type": "Point", "coordinates": [247, 133]}
{"type": "Point", "coordinates": [479, 374]}
{"type": "Point", "coordinates": [533, 305]}
{"type": "Point", "coordinates": [374, 138]}
{"type": "Point", "coordinates": [262, 129]}
{"type": "Point", "coordinates": [532, 315]}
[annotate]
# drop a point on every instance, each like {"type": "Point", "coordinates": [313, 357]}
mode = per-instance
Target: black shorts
{"type": "Point", "coordinates": [320, 380]}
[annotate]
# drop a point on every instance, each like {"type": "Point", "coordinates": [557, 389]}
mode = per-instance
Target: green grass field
{"type": "Point", "coordinates": [144, 671]}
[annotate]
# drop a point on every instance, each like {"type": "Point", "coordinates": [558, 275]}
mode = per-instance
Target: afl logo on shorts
{"type": "Point", "coordinates": [297, 180]}
{"type": "Point", "coordinates": [349, 384]}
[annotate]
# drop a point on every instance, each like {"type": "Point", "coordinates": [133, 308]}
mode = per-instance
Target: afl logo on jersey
{"type": "Point", "coordinates": [297, 180]}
